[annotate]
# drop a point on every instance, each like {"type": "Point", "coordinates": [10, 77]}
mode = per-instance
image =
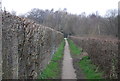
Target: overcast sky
{"type": "Point", "coordinates": [73, 6]}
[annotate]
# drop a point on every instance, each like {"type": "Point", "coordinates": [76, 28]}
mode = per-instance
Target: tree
{"type": "Point", "coordinates": [71, 24]}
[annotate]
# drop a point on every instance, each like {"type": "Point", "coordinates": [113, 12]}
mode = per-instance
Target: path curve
{"type": "Point", "coordinates": [68, 72]}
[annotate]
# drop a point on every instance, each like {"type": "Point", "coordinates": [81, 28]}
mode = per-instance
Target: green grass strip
{"type": "Point", "coordinates": [85, 64]}
{"type": "Point", "coordinates": [73, 48]}
{"type": "Point", "coordinates": [89, 69]}
{"type": "Point", "coordinates": [52, 71]}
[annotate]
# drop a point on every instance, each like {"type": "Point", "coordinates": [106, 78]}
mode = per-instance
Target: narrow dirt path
{"type": "Point", "coordinates": [68, 72]}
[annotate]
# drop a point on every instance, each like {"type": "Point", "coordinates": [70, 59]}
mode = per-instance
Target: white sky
{"type": "Point", "coordinates": [73, 6]}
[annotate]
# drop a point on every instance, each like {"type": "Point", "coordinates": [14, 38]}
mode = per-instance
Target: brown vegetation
{"type": "Point", "coordinates": [27, 47]}
{"type": "Point", "coordinates": [103, 53]}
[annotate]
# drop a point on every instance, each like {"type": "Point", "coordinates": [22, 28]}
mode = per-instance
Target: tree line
{"type": "Point", "coordinates": [81, 25]}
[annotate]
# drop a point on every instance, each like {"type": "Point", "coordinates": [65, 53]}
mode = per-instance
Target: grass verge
{"type": "Point", "coordinates": [73, 48]}
{"type": "Point", "coordinates": [90, 70]}
{"type": "Point", "coordinates": [53, 69]}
